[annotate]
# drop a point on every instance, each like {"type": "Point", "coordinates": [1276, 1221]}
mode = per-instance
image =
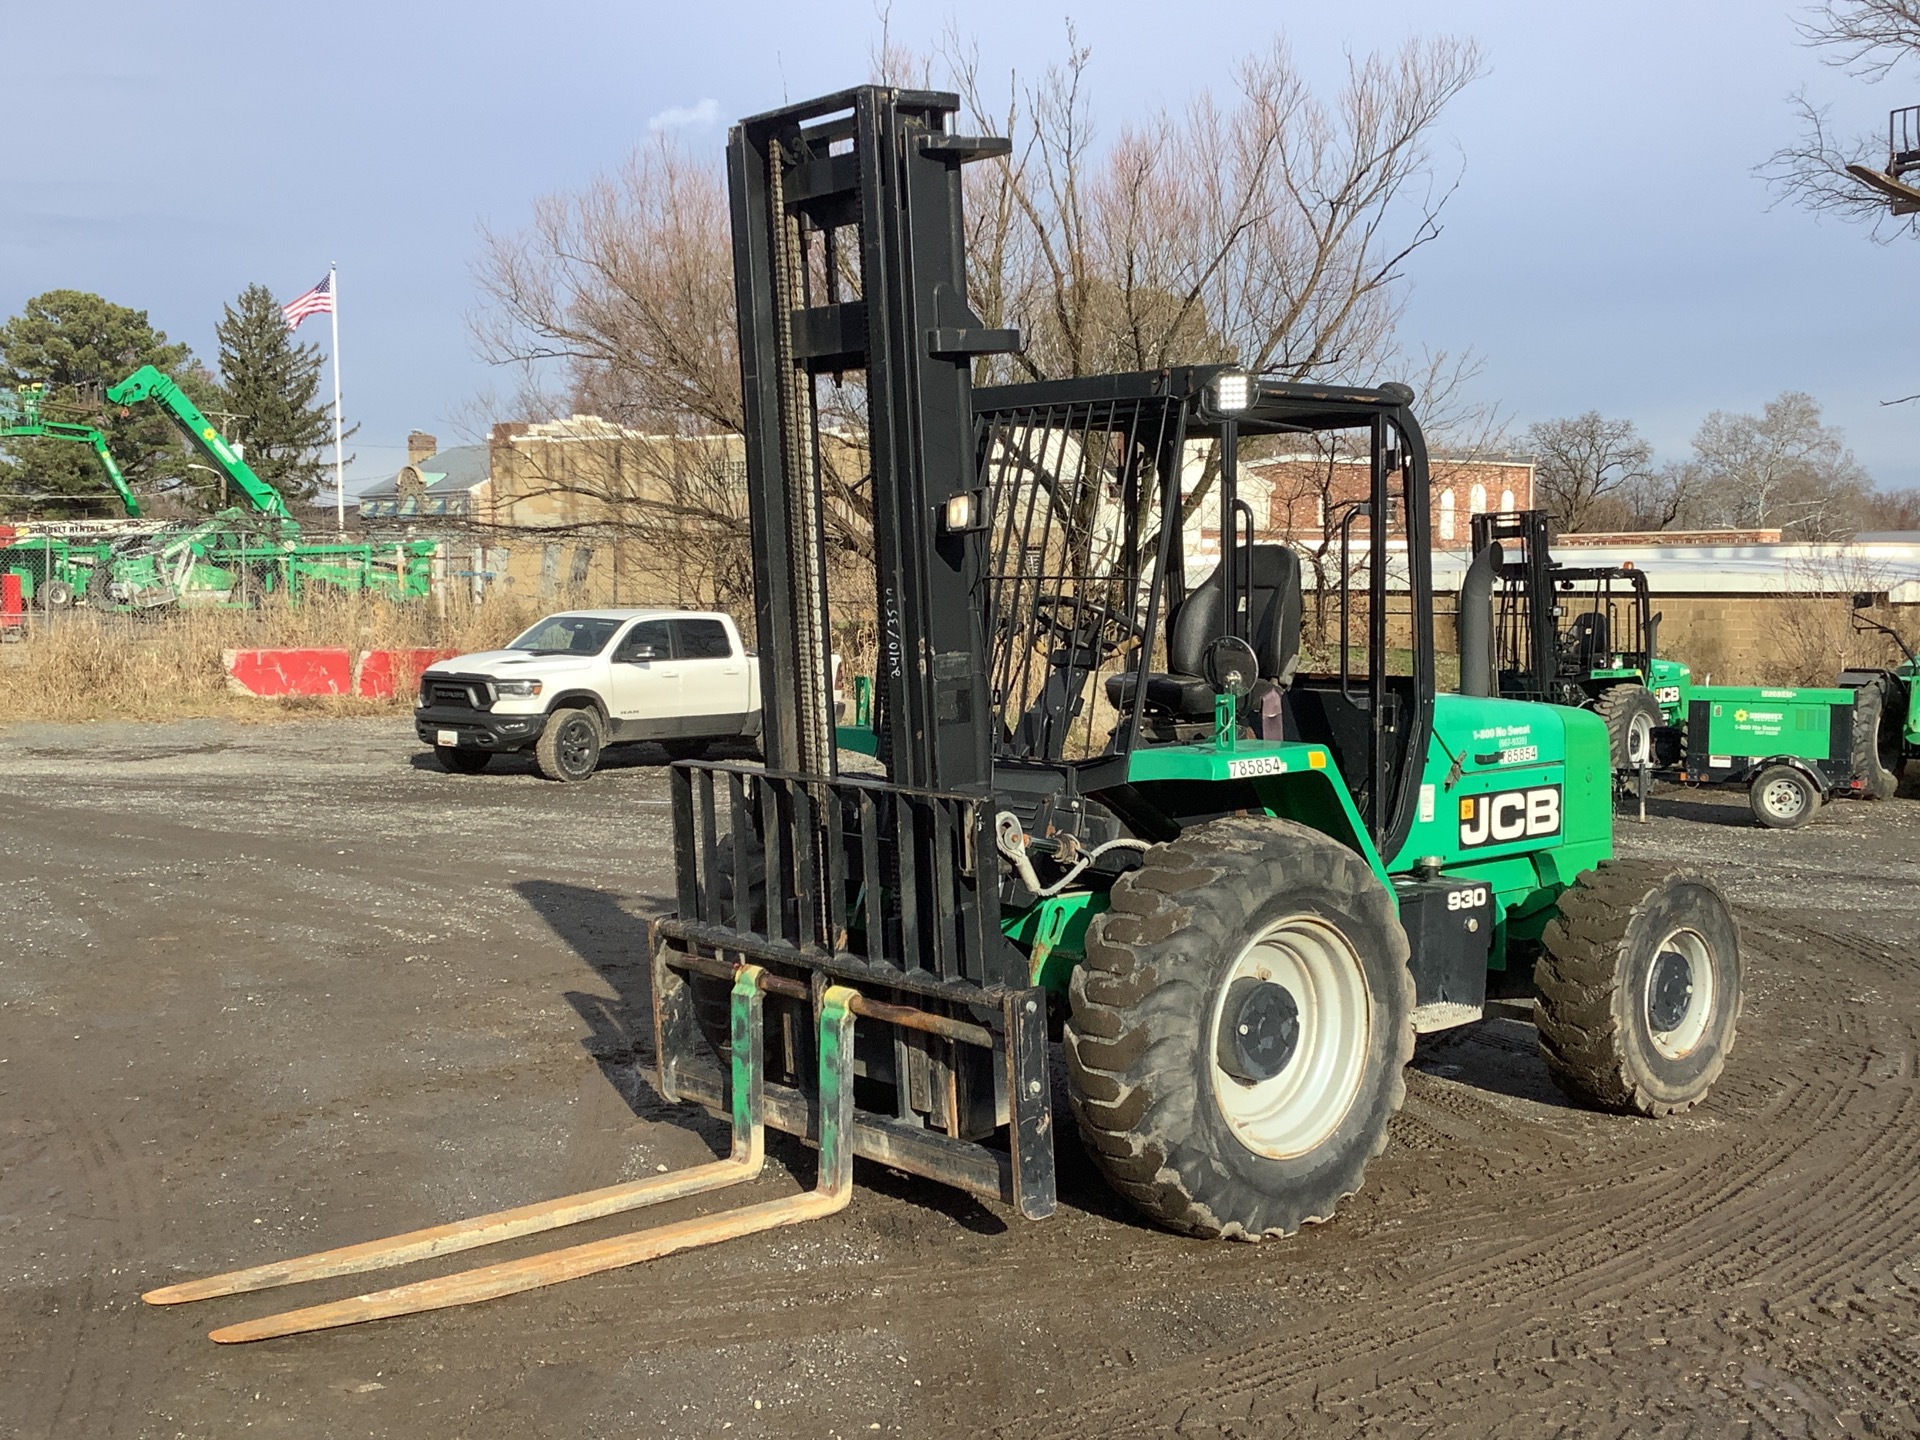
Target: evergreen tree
{"type": "Point", "coordinates": [77, 344]}
{"type": "Point", "coordinates": [271, 384]}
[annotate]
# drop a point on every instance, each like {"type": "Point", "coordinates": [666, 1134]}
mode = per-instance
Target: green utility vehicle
{"type": "Point", "coordinates": [1584, 636]}
{"type": "Point", "coordinates": [1106, 805]}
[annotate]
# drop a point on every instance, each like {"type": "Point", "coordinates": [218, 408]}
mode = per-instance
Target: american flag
{"type": "Point", "coordinates": [317, 301]}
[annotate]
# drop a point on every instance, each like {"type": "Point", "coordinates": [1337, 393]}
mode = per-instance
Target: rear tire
{"type": "Point", "coordinates": [1632, 715]}
{"type": "Point", "coordinates": [456, 761]}
{"type": "Point", "coordinates": [1240, 1029]}
{"type": "Point", "coordinates": [1877, 757]}
{"type": "Point", "coordinates": [1783, 798]}
{"type": "Point", "coordinates": [569, 748]}
{"type": "Point", "coordinates": [1639, 986]}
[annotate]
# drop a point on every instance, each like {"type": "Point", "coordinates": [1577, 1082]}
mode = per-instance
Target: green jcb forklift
{"type": "Point", "coordinates": [1105, 805]}
{"type": "Point", "coordinates": [1580, 635]}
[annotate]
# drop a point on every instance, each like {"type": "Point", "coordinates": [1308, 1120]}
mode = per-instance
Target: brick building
{"type": "Point", "coordinates": [1297, 497]}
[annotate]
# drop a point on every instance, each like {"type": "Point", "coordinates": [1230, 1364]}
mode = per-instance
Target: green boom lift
{"type": "Point", "coordinates": [1106, 803]}
{"type": "Point", "coordinates": [21, 419]}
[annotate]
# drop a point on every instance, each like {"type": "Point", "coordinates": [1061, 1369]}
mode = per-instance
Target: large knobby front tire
{"type": "Point", "coordinates": [1240, 1029]}
{"type": "Point", "coordinates": [1639, 988]}
{"type": "Point", "coordinates": [1878, 749]}
{"type": "Point", "coordinates": [1632, 716]}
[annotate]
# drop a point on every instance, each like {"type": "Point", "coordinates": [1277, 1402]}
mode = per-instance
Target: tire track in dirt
{"type": "Point", "coordinates": [1608, 1249]}
{"type": "Point", "coordinates": [87, 1365]}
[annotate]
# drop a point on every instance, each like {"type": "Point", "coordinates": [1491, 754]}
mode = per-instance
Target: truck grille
{"type": "Point", "coordinates": [458, 694]}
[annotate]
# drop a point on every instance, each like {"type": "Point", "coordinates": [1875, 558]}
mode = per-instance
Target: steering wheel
{"type": "Point", "coordinates": [1085, 624]}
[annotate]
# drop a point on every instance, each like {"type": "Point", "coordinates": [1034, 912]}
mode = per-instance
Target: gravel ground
{"type": "Point", "coordinates": [272, 988]}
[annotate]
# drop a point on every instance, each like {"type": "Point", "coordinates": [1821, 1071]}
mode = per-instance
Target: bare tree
{"type": "Point", "coordinates": [1781, 468]}
{"type": "Point", "coordinates": [1272, 228]}
{"type": "Point", "coordinates": [1868, 39]}
{"type": "Point", "coordinates": [1583, 460]}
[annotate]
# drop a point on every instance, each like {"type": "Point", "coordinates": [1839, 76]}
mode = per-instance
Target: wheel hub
{"type": "Point", "coordinates": [1259, 1030]}
{"type": "Point", "coordinates": [1783, 798]}
{"type": "Point", "coordinates": [1670, 992]}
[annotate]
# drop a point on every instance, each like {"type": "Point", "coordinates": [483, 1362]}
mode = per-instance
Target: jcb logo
{"type": "Point", "coordinates": [1510, 815]}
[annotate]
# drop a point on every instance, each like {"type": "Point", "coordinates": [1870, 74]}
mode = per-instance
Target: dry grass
{"type": "Point", "coordinates": [97, 667]}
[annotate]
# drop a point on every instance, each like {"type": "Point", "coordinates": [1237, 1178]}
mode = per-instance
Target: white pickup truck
{"type": "Point", "coordinates": [582, 680]}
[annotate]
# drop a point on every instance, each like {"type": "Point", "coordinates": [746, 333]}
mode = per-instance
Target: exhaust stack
{"type": "Point", "coordinates": [1473, 622]}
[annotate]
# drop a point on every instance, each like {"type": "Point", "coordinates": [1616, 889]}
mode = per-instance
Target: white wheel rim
{"type": "Point", "coordinates": [1639, 739]}
{"type": "Point", "coordinates": [1679, 1038]}
{"type": "Point", "coordinates": [1783, 799]}
{"type": "Point", "coordinates": [1301, 1106]}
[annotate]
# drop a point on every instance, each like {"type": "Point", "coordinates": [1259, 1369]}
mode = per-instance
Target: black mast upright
{"type": "Point", "coordinates": [865, 184]}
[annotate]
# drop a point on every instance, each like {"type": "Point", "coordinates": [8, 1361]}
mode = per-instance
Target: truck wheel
{"type": "Point", "coordinates": [1240, 1028]}
{"type": "Point", "coordinates": [461, 762]}
{"type": "Point", "coordinates": [569, 748]}
{"type": "Point", "coordinates": [1639, 988]}
{"type": "Point", "coordinates": [1632, 715]}
{"type": "Point", "coordinates": [1877, 747]}
{"type": "Point", "coordinates": [1783, 798]}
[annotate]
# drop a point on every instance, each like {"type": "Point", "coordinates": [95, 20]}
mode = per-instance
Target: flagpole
{"type": "Point", "coordinates": [339, 463]}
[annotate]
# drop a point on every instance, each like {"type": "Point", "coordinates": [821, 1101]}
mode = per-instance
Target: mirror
{"type": "Point", "coordinates": [1232, 667]}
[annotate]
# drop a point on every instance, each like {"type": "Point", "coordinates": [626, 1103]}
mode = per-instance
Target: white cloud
{"type": "Point", "coordinates": [678, 116]}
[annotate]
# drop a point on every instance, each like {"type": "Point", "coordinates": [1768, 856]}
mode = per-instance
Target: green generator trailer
{"type": "Point", "coordinates": [1793, 747]}
{"type": "Point", "coordinates": [1109, 808]}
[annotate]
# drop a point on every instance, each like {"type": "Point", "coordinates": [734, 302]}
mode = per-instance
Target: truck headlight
{"type": "Point", "coordinates": [518, 689]}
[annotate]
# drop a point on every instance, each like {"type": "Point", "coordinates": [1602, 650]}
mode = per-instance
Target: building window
{"type": "Point", "coordinates": [1446, 513]}
{"type": "Point", "coordinates": [1506, 500]}
{"type": "Point", "coordinates": [1477, 500]}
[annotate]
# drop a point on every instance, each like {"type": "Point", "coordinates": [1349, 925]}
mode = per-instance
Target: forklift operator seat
{"type": "Point", "coordinates": [1587, 644]}
{"type": "Point", "coordinates": [1274, 605]}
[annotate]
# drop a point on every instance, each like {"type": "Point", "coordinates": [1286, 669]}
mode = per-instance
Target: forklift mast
{"type": "Point", "coordinates": [1559, 627]}
{"type": "Point", "coordinates": [848, 256]}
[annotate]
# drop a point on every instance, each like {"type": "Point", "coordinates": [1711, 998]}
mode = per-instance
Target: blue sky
{"type": "Point", "coordinates": [1609, 247]}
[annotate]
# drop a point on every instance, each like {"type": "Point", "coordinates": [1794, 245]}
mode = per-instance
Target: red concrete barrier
{"type": "Point", "coordinates": [384, 674]}
{"type": "Point", "coordinates": [374, 674]}
{"type": "Point", "coordinates": [290, 672]}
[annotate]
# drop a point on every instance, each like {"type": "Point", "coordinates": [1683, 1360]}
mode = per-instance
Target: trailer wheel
{"type": "Point", "coordinates": [1639, 988]}
{"type": "Point", "coordinates": [569, 748]}
{"type": "Point", "coordinates": [1877, 746]}
{"type": "Point", "coordinates": [456, 761]}
{"type": "Point", "coordinates": [1240, 1029]}
{"type": "Point", "coordinates": [1632, 715]}
{"type": "Point", "coordinates": [55, 595]}
{"type": "Point", "coordinates": [1783, 798]}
